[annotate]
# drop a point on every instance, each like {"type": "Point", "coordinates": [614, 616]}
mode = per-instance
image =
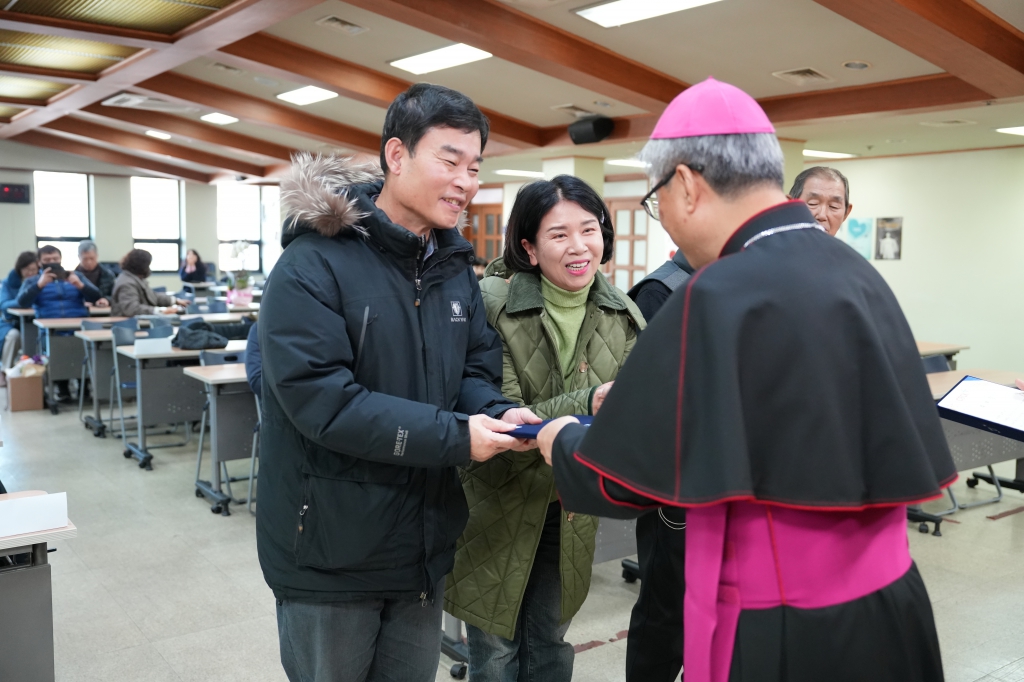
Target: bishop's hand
{"type": "Point", "coordinates": [547, 435]}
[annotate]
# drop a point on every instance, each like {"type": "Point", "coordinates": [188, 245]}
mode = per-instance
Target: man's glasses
{"type": "Point", "coordinates": [650, 201]}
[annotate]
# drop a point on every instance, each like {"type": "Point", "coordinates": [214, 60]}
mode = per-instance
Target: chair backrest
{"type": "Point", "coordinates": [161, 331]}
{"type": "Point", "coordinates": [130, 323]}
{"type": "Point", "coordinates": [935, 363]}
{"type": "Point", "coordinates": [159, 290]}
{"type": "Point", "coordinates": [157, 322]}
{"type": "Point", "coordinates": [207, 308]}
{"type": "Point", "coordinates": [219, 357]}
{"type": "Point", "coordinates": [123, 336]}
{"type": "Point", "coordinates": [89, 325]}
{"type": "Point", "coordinates": [218, 306]}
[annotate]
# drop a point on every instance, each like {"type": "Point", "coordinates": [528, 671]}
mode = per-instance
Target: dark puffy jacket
{"type": "Point", "coordinates": [59, 298]}
{"type": "Point", "coordinates": [9, 299]}
{"type": "Point", "coordinates": [254, 361]}
{"type": "Point", "coordinates": [107, 279]}
{"type": "Point", "coordinates": [372, 361]}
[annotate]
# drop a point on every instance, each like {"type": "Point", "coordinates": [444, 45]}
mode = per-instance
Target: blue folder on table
{"type": "Point", "coordinates": [985, 405]}
{"type": "Point", "coordinates": [531, 430]}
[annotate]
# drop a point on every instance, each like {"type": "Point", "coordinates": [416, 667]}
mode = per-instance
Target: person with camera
{"type": "Point", "coordinates": [56, 292]}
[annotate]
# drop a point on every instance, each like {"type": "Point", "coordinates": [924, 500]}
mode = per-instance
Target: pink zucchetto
{"type": "Point", "coordinates": [711, 108]}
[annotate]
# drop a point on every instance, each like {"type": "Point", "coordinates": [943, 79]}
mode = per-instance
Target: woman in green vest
{"type": "Point", "coordinates": [522, 566]}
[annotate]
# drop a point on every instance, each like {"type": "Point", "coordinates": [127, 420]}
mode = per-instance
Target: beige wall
{"type": "Point", "coordinates": [960, 277]}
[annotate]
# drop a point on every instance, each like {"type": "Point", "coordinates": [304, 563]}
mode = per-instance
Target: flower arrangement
{"type": "Point", "coordinates": [240, 286]}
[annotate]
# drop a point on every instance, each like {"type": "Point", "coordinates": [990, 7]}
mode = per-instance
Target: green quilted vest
{"type": "Point", "coordinates": [509, 494]}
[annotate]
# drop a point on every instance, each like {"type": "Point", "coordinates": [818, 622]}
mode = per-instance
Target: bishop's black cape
{"type": "Point", "coordinates": [783, 372]}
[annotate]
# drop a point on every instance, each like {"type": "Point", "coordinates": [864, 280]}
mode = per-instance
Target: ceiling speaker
{"type": "Point", "coordinates": [590, 130]}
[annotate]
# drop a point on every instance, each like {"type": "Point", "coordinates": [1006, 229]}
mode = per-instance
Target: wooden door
{"type": "Point", "coordinates": [485, 231]}
{"type": "Point", "coordinates": [628, 264]}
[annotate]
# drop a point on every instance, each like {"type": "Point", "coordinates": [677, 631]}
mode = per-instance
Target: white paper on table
{"type": "Point", "coordinates": [985, 400]}
{"type": "Point", "coordinates": [31, 514]}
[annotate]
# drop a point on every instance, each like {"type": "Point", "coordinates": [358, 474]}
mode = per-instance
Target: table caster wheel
{"type": "Point", "coordinates": [216, 509]}
{"type": "Point", "coordinates": [199, 493]}
{"type": "Point", "coordinates": [923, 528]}
{"type": "Point", "coordinates": [127, 454]}
{"type": "Point", "coordinates": [972, 483]}
{"type": "Point", "coordinates": [628, 576]}
{"type": "Point", "coordinates": [459, 671]}
{"type": "Point", "coordinates": [54, 409]}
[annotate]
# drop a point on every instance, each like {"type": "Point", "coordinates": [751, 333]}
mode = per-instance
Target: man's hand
{"type": "Point", "coordinates": [102, 303]}
{"type": "Point", "coordinates": [487, 437]}
{"type": "Point", "coordinates": [46, 278]}
{"type": "Point", "coordinates": [74, 281]}
{"type": "Point", "coordinates": [181, 303]}
{"type": "Point", "coordinates": [1020, 384]}
{"type": "Point", "coordinates": [522, 415]}
{"type": "Point", "coordinates": [547, 435]}
{"type": "Point", "coordinates": [599, 395]}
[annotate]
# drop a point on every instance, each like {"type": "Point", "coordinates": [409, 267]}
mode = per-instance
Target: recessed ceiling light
{"type": "Point", "coordinates": [445, 58]}
{"type": "Point", "coordinates": [630, 163]}
{"type": "Point", "coordinates": [827, 155]}
{"type": "Point", "coordinates": [263, 80]}
{"type": "Point", "coordinates": [158, 135]}
{"type": "Point", "coordinates": [1018, 130]}
{"type": "Point", "coordinates": [621, 12]}
{"type": "Point", "coordinates": [601, 103]}
{"type": "Point", "coordinates": [307, 95]}
{"type": "Point", "coordinates": [519, 173]}
{"type": "Point", "coordinates": [857, 65]}
{"type": "Point", "coordinates": [219, 119]}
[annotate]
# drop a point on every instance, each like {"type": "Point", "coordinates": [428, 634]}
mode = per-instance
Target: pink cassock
{"type": "Point", "coordinates": [750, 555]}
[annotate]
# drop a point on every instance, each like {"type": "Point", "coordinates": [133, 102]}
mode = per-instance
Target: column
{"type": "Point", "coordinates": [793, 151]}
{"type": "Point", "coordinates": [589, 170]}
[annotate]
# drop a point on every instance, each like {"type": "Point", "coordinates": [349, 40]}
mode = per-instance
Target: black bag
{"type": "Point", "coordinates": [198, 336]}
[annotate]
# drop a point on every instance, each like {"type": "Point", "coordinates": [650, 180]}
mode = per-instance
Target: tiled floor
{"type": "Point", "coordinates": [157, 588]}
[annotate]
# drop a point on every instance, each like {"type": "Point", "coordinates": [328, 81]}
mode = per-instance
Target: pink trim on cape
{"type": "Point", "coordinates": [740, 556]}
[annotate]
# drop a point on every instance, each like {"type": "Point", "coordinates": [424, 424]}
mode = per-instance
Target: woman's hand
{"type": "Point", "coordinates": [547, 435]}
{"type": "Point", "coordinates": [521, 415]}
{"type": "Point", "coordinates": [599, 395]}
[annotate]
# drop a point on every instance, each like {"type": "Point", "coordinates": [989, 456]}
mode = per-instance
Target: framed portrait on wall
{"type": "Point", "coordinates": [888, 238]}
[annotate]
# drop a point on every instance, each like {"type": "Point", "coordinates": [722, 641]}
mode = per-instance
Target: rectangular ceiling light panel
{"type": "Point", "coordinates": [219, 119]}
{"type": "Point", "coordinates": [307, 95]}
{"type": "Point", "coordinates": [519, 173]}
{"type": "Point", "coordinates": [1018, 130]}
{"type": "Point", "coordinates": [612, 14]}
{"type": "Point", "coordinates": [445, 58]}
{"type": "Point", "coordinates": [827, 155]}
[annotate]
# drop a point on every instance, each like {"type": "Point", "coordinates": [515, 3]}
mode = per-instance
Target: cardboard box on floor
{"type": "Point", "coordinates": [25, 393]}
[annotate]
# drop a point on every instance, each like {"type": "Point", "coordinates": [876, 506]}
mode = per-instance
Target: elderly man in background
{"type": "Point", "coordinates": [89, 268]}
{"type": "Point", "coordinates": [826, 192]}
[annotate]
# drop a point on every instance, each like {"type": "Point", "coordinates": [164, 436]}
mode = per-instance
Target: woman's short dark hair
{"type": "Point", "coordinates": [533, 203]}
{"type": "Point", "coordinates": [25, 259]}
{"type": "Point", "coordinates": [424, 106]}
{"type": "Point", "coordinates": [137, 262]}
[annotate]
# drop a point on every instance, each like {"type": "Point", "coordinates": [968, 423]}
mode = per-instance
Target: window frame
{"type": "Point", "coordinates": [258, 243]}
{"type": "Point", "coordinates": [137, 241]}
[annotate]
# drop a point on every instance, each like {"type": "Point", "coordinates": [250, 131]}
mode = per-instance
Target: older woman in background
{"type": "Point", "coordinates": [132, 293]}
{"type": "Point", "coordinates": [24, 267]}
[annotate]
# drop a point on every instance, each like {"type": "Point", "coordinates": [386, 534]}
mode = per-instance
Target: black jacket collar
{"type": "Point", "coordinates": [787, 213]}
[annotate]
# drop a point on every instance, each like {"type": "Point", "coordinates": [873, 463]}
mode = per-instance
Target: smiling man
{"type": "Point", "coordinates": [381, 376]}
{"type": "Point", "coordinates": [826, 192]}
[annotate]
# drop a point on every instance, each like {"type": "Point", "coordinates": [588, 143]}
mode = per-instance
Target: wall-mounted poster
{"type": "Point", "coordinates": [888, 238]}
{"type": "Point", "coordinates": [857, 233]}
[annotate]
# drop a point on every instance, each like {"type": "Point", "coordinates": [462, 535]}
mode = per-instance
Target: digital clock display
{"type": "Point", "coordinates": [14, 194]}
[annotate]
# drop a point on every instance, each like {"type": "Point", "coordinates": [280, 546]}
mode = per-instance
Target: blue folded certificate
{"type": "Point", "coordinates": [528, 431]}
{"type": "Point", "coordinates": [987, 406]}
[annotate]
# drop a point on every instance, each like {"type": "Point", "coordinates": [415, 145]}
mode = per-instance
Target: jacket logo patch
{"type": "Point", "coordinates": [401, 442]}
{"type": "Point", "coordinates": [458, 314]}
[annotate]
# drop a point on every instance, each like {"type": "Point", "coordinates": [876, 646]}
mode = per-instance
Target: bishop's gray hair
{"type": "Point", "coordinates": [732, 163]}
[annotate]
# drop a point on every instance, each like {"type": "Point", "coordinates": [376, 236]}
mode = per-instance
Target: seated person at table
{"type": "Point", "coordinates": [193, 269]}
{"type": "Point", "coordinates": [26, 266]}
{"type": "Point", "coordinates": [132, 293]}
{"type": "Point", "coordinates": [89, 268]}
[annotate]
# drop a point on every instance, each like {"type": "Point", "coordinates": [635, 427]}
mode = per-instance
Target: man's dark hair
{"type": "Point", "coordinates": [535, 200]}
{"type": "Point", "coordinates": [823, 172]}
{"type": "Point", "coordinates": [137, 262]}
{"type": "Point", "coordinates": [424, 106]}
{"type": "Point", "coordinates": [25, 259]}
{"type": "Point", "coordinates": [49, 248]}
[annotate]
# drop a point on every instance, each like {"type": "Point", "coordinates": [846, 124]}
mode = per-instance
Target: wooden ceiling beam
{"type": "Point", "coordinates": [63, 144]}
{"type": "Point", "coordinates": [240, 19]}
{"type": "Point", "coordinates": [144, 143]}
{"type": "Point", "coordinates": [271, 56]}
{"type": "Point", "coordinates": [259, 111]}
{"type": "Point", "coordinates": [55, 75]}
{"type": "Point", "coordinates": [22, 102]}
{"type": "Point", "coordinates": [519, 38]}
{"type": "Point", "coordinates": [951, 34]}
{"type": "Point", "coordinates": [939, 91]}
{"type": "Point", "coordinates": [80, 30]}
{"type": "Point", "coordinates": [194, 130]}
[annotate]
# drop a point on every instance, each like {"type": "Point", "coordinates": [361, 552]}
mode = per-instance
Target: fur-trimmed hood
{"type": "Point", "coordinates": [316, 193]}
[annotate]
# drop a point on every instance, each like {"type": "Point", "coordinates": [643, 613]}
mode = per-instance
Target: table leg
{"type": "Point", "coordinates": [95, 420]}
{"type": "Point", "coordinates": [211, 489]}
{"type": "Point", "coordinates": [139, 452]}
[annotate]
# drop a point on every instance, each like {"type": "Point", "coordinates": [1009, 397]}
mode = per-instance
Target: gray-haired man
{"type": "Point", "coordinates": [90, 268]}
{"type": "Point", "coordinates": [826, 192]}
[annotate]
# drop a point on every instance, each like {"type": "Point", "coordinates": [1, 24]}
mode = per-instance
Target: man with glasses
{"type": "Point", "coordinates": [826, 192]}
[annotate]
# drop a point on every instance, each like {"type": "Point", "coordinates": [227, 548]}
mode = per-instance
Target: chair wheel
{"type": "Point", "coordinates": [628, 576]}
{"type": "Point", "coordinates": [972, 483]}
{"type": "Point", "coordinates": [459, 671]}
{"type": "Point", "coordinates": [923, 528]}
{"type": "Point", "coordinates": [54, 409]}
{"type": "Point", "coordinates": [216, 509]}
{"type": "Point", "coordinates": [199, 493]}
{"type": "Point", "coordinates": [127, 454]}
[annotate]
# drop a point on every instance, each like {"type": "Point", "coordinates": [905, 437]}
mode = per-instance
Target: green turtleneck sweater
{"type": "Point", "coordinates": [567, 310]}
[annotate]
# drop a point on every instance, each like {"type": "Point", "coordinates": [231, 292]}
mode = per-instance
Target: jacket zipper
{"type": "Point", "coordinates": [305, 506]}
